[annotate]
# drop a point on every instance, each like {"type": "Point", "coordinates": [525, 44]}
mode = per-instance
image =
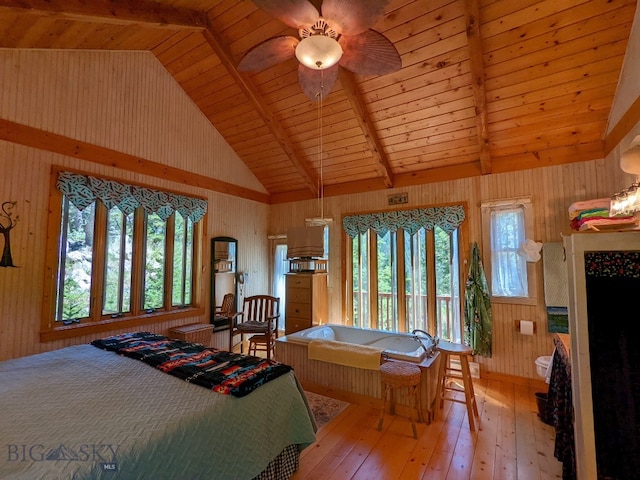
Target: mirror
{"type": "Point", "coordinates": [224, 261]}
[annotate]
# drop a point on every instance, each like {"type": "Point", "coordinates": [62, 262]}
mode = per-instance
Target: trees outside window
{"type": "Point", "coordinates": [401, 280]}
{"type": "Point", "coordinates": [123, 252]}
{"type": "Point", "coordinates": [506, 224]}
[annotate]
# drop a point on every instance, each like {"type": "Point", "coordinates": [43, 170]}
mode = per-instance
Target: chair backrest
{"type": "Point", "coordinates": [228, 304]}
{"type": "Point", "coordinates": [261, 308]}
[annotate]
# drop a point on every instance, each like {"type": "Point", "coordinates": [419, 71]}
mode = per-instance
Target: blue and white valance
{"type": "Point", "coordinates": [447, 218]}
{"type": "Point", "coordinates": [83, 190]}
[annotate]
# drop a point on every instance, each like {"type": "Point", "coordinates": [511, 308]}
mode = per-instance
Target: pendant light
{"type": "Point", "coordinates": [321, 220]}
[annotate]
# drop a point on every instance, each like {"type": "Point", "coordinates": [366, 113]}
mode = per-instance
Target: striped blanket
{"type": "Point", "coordinates": [220, 371]}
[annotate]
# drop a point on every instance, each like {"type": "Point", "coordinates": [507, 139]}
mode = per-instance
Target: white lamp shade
{"type": "Point", "coordinates": [630, 160]}
{"type": "Point", "coordinates": [318, 52]}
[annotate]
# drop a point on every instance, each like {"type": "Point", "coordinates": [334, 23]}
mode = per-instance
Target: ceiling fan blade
{"type": "Point", "coordinates": [314, 81]}
{"type": "Point", "coordinates": [294, 13]}
{"type": "Point", "coordinates": [351, 17]}
{"type": "Point", "coordinates": [268, 53]}
{"type": "Point", "coordinates": [369, 53]}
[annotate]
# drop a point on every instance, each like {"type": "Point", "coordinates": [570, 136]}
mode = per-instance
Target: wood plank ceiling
{"type": "Point", "coordinates": [485, 86]}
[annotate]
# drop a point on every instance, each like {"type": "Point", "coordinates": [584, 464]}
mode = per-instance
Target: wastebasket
{"type": "Point", "coordinates": [541, 401]}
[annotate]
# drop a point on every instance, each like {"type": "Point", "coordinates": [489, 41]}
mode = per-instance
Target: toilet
{"type": "Point", "coordinates": [542, 367]}
{"type": "Point", "coordinates": [542, 364]}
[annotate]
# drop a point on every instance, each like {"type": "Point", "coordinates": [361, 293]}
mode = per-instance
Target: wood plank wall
{"type": "Point", "coordinates": [552, 190]}
{"type": "Point", "coordinates": [125, 101]}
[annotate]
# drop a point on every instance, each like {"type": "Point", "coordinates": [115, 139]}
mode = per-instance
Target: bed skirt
{"type": "Point", "coordinates": [283, 466]}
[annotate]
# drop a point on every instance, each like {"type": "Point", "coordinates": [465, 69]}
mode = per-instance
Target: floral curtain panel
{"type": "Point", "coordinates": [478, 319]}
{"type": "Point", "coordinates": [447, 218]}
{"type": "Point", "coordinates": [83, 190]}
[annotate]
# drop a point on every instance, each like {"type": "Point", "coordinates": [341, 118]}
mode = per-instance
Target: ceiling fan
{"type": "Point", "coordinates": [341, 36]}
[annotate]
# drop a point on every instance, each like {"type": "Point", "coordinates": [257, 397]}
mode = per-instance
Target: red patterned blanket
{"type": "Point", "coordinates": [220, 371]}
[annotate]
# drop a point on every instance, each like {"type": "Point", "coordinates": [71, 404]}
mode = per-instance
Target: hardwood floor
{"type": "Point", "coordinates": [511, 443]}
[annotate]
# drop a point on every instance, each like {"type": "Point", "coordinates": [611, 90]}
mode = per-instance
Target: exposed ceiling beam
{"type": "Point", "coordinates": [52, 142]}
{"type": "Point", "coordinates": [118, 12]}
{"type": "Point", "coordinates": [626, 124]}
{"type": "Point", "coordinates": [472, 20]}
{"type": "Point", "coordinates": [124, 12]}
{"type": "Point", "coordinates": [432, 175]}
{"type": "Point", "coordinates": [561, 155]}
{"type": "Point", "coordinates": [351, 90]}
{"type": "Point", "coordinates": [268, 117]}
{"type": "Point", "coordinates": [440, 174]}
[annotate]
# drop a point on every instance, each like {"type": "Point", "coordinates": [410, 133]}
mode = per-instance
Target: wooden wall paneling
{"type": "Point", "coordinates": [533, 60]}
{"type": "Point", "coordinates": [121, 113]}
{"type": "Point", "coordinates": [108, 99]}
{"type": "Point", "coordinates": [78, 94]}
{"type": "Point", "coordinates": [552, 190]}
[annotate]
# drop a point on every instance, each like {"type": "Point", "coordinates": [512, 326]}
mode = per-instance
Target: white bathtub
{"type": "Point", "coordinates": [401, 346]}
{"type": "Point", "coordinates": [358, 385]}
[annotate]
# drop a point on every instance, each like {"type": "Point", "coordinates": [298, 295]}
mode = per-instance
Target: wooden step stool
{"type": "Point", "coordinates": [448, 375]}
{"type": "Point", "coordinates": [395, 375]}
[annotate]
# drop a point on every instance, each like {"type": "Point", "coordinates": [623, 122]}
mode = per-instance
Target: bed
{"type": "Point", "coordinates": [82, 412]}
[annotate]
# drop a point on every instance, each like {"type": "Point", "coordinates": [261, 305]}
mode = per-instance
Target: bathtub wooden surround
{"type": "Point", "coordinates": [357, 385]}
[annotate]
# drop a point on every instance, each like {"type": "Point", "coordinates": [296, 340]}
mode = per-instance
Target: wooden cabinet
{"type": "Point", "coordinates": [306, 301]}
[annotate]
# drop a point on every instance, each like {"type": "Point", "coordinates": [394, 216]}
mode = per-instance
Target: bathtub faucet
{"type": "Point", "coordinates": [434, 341]}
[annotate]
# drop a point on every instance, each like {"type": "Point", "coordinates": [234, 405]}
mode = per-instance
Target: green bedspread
{"type": "Point", "coordinates": [84, 413]}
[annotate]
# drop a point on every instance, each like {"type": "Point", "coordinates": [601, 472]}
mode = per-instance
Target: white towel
{"type": "Point", "coordinates": [305, 242]}
{"type": "Point", "coordinates": [556, 284]}
{"type": "Point", "coordinates": [530, 250]}
{"type": "Point", "coordinates": [347, 354]}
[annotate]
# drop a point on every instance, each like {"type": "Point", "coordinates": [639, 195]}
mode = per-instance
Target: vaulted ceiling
{"type": "Point", "coordinates": [486, 86]}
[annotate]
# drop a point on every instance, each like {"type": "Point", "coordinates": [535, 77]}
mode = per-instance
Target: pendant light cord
{"type": "Point", "coordinates": [320, 145]}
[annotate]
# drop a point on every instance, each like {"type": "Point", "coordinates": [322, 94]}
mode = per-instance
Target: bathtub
{"type": "Point", "coordinates": [400, 346]}
{"type": "Point", "coordinates": [358, 385]}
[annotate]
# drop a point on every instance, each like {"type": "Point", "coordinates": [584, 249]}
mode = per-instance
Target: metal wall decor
{"type": "Point", "coordinates": [7, 223]}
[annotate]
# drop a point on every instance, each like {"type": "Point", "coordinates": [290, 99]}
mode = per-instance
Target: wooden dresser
{"type": "Point", "coordinates": [306, 302]}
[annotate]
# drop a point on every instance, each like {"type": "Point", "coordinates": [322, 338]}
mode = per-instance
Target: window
{"type": "Point", "coordinates": [506, 226]}
{"type": "Point", "coordinates": [124, 253]}
{"type": "Point", "coordinates": [116, 299]}
{"type": "Point", "coordinates": [404, 270]}
{"type": "Point", "coordinates": [280, 269]}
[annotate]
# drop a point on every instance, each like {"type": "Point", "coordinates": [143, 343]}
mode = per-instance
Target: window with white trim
{"type": "Point", "coordinates": [506, 226]}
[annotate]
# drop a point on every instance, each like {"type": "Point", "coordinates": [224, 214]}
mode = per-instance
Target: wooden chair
{"type": "Point", "coordinates": [224, 313]}
{"type": "Point", "coordinates": [261, 343]}
{"type": "Point", "coordinates": [259, 318]}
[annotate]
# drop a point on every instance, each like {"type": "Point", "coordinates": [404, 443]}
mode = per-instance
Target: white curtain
{"type": "Point", "coordinates": [280, 268]}
{"type": "Point", "coordinates": [508, 269]}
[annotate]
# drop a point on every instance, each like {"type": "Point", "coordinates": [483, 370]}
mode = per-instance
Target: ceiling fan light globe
{"type": "Point", "coordinates": [318, 52]}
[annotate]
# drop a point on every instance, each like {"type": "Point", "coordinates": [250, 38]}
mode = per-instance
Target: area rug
{"type": "Point", "coordinates": [324, 408]}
